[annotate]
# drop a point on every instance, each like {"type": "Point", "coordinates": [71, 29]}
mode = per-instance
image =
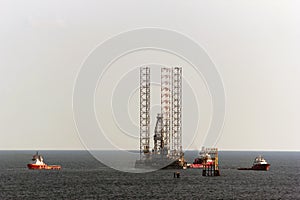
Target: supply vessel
{"type": "Point", "coordinates": [38, 163]}
{"type": "Point", "coordinates": [259, 164]}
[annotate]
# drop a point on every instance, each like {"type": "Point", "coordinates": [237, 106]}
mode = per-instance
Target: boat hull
{"type": "Point", "coordinates": [196, 166]}
{"type": "Point", "coordinates": [262, 167]}
{"type": "Point", "coordinates": [46, 167]}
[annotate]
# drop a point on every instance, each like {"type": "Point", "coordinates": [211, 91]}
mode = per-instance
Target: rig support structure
{"type": "Point", "coordinates": [144, 112]}
{"type": "Point", "coordinates": [211, 168]}
{"type": "Point", "coordinates": [167, 149]}
{"type": "Point", "coordinates": [166, 109]}
{"type": "Point", "coordinates": [176, 112]}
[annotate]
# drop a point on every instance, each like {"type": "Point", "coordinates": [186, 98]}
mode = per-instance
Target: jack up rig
{"type": "Point", "coordinates": [167, 150]}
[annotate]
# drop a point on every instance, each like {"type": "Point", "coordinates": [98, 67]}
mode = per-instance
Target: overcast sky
{"type": "Point", "coordinates": [255, 46]}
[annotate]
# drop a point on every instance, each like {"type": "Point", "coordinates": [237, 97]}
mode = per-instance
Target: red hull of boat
{"type": "Point", "coordinates": [264, 167]}
{"type": "Point", "coordinates": [196, 166]}
{"type": "Point", "coordinates": [35, 166]}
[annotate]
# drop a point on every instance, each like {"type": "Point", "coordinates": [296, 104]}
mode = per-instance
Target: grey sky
{"type": "Point", "coordinates": [254, 44]}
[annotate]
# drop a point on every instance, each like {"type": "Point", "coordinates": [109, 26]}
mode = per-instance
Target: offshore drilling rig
{"type": "Point", "coordinates": [167, 136]}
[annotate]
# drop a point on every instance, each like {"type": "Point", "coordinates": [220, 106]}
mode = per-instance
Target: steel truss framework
{"type": "Point", "coordinates": [166, 108]}
{"type": "Point", "coordinates": [144, 112]}
{"type": "Point", "coordinates": [176, 132]}
{"type": "Point", "coordinates": [168, 130]}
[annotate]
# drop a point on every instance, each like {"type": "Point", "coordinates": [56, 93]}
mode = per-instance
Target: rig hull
{"type": "Point", "coordinates": [161, 164]}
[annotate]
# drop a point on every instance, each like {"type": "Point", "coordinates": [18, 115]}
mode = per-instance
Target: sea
{"type": "Point", "coordinates": [84, 177]}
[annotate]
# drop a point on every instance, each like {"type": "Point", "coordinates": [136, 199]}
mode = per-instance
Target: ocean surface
{"type": "Point", "coordinates": [83, 177]}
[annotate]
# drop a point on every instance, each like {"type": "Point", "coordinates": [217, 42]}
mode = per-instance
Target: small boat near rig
{"type": "Point", "coordinates": [38, 163]}
{"type": "Point", "coordinates": [199, 162]}
{"type": "Point", "coordinates": [259, 164]}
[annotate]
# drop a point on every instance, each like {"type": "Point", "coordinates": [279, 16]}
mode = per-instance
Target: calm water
{"type": "Point", "coordinates": [83, 177]}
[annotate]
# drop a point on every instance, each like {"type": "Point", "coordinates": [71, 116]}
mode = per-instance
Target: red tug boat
{"type": "Point", "coordinates": [38, 163]}
{"type": "Point", "coordinates": [259, 164]}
